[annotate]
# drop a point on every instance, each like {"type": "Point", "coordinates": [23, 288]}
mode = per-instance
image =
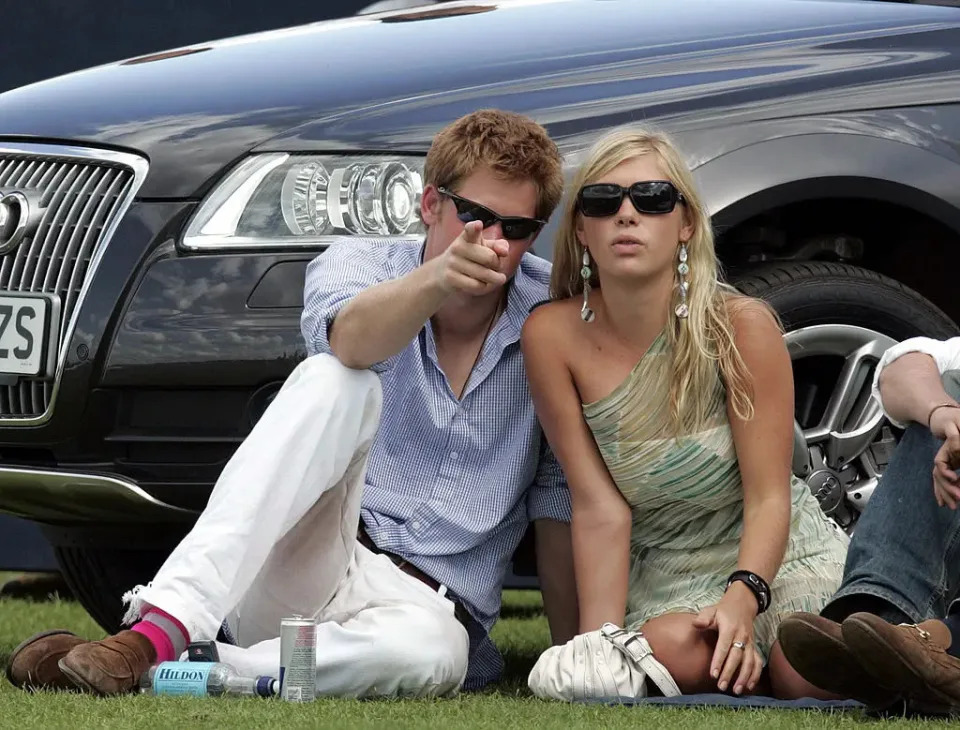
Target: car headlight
{"type": "Point", "coordinates": [286, 200]}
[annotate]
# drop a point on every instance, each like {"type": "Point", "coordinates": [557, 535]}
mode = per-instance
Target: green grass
{"type": "Point", "coordinates": [522, 634]}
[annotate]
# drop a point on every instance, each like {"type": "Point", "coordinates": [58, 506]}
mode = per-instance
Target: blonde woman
{"type": "Point", "coordinates": [668, 400]}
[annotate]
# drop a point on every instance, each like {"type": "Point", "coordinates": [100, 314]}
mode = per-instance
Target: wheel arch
{"type": "Point", "coordinates": [742, 183]}
{"type": "Point", "coordinates": [843, 183]}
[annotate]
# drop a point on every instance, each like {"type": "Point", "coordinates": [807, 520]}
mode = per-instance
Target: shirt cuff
{"type": "Point", "coordinates": [549, 503]}
{"type": "Point", "coordinates": [318, 337]}
{"type": "Point", "coordinates": [946, 354]}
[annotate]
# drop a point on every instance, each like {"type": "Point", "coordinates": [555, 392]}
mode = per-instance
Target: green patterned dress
{"type": "Point", "coordinates": [687, 500]}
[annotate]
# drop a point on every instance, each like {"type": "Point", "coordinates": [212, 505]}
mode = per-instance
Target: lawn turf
{"type": "Point", "coordinates": [521, 634]}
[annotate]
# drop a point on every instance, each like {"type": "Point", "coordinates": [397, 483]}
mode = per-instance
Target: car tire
{"type": "Point", "coordinates": [99, 577]}
{"type": "Point", "coordinates": [816, 292]}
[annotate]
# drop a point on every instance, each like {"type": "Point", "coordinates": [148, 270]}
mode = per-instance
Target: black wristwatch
{"type": "Point", "coordinates": [761, 591]}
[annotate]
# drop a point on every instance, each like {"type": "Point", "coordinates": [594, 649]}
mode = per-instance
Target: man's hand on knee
{"type": "Point", "coordinates": [946, 483]}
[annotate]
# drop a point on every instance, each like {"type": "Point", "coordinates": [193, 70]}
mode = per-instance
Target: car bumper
{"type": "Point", "coordinates": [74, 497]}
{"type": "Point", "coordinates": [174, 358]}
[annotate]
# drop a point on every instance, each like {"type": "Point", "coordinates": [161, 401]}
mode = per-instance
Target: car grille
{"type": "Point", "coordinates": [82, 195]}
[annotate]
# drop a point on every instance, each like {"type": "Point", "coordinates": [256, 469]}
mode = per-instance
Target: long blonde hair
{"type": "Point", "coordinates": [705, 340]}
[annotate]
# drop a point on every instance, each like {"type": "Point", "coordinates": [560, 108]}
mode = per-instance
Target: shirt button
{"type": "Point", "coordinates": [454, 455]}
{"type": "Point", "coordinates": [416, 525]}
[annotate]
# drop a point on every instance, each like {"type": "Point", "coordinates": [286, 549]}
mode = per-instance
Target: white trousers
{"type": "Point", "coordinates": [278, 538]}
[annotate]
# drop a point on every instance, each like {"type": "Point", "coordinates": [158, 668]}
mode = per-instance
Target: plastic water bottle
{"type": "Point", "coordinates": [204, 679]}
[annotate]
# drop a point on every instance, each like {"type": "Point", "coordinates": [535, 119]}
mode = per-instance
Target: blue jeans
{"type": "Point", "coordinates": [904, 559]}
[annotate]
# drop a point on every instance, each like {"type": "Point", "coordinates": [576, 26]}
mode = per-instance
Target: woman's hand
{"type": "Point", "coordinates": [732, 618]}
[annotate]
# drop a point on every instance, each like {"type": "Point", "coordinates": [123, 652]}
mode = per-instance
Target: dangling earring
{"type": "Point", "coordinates": [683, 268]}
{"type": "Point", "coordinates": [586, 314]}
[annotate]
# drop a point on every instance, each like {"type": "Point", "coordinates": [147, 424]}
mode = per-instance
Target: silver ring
{"type": "Point", "coordinates": [739, 645]}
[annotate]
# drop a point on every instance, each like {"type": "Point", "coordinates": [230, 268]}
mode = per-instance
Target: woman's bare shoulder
{"type": "Point", "coordinates": [757, 333]}
{"type": "Point", "coordinates": [546, 321]}
{"type": "Point", "coordinates": [749, 314]}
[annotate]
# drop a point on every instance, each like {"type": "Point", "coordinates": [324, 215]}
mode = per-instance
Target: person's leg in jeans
{"type": "Point", "coordinates": [903, 566]}
{"type": "Point", "coordinates": [904, 559]}
{"type": "Point", "coordinates": [919, 657]}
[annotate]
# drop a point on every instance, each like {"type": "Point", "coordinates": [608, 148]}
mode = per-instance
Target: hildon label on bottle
{"type": "Point", "coordinates": [182, 678]}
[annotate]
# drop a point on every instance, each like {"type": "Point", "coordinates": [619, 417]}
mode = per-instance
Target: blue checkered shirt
{"type": "Point", "coordinates": [451, 484]}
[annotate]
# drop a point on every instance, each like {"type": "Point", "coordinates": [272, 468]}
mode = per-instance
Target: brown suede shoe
{"type": "Point", "coordinates": [33, 664]}
{"type": "Point", "coordinates": [904, 656]}
{"type": "Point", "coordinates": [112, 666]}
{"type": "Point", "coordinates": [815, 647]}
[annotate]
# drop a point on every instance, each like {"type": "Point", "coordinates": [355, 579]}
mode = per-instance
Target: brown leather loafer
{"type": "Point", "coordinates": [904, 657]}
{"type": "Point", "coordinates": [815, 647]}
{"type": "Point", "coordinates": [33, 664]}
{"type": "Point", "coordinates": [112, 666]}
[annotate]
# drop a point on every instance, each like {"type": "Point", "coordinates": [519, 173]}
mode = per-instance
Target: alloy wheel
{"type": "Point", "coordinates": [842, 440]}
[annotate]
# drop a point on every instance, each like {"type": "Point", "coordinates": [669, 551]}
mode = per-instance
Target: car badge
{"type": "Point", "coordinates": [14, 220]}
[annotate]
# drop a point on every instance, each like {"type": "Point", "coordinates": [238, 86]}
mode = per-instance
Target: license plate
{"type": "Point", "coordinates": [29, 324]}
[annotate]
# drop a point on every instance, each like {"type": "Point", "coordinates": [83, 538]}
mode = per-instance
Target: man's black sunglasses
{"type": "Point", "coordinates": [652, 196]}
{"type": "Point", "coordinates": [515, 228]}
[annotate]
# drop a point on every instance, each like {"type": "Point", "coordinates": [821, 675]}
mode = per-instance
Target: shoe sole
{"type": "Point", "coordinates": [889, 668]}
{"type": "Point", "coordinates": [23, 645]}
{"type": "Point", "coordinates": [827, 670]}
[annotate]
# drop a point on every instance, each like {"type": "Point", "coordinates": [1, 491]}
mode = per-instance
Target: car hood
{"type": "Point", "coordinates": [388, 82]}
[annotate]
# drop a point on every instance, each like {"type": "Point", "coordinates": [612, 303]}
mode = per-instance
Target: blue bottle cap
{"type": "Point", "coordinates": [267, 687]}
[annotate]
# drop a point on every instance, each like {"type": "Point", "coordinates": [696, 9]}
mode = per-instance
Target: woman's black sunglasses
{"type": "Point", "coordinates": [652, 196]}
{"type": "Point", "coordinates": [515, 228]}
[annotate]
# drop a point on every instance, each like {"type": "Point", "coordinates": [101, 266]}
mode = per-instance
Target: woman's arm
{"type": "Point", "coordinates": [764, 446]}
{"type": "Point", "coordinates": [601, 518]}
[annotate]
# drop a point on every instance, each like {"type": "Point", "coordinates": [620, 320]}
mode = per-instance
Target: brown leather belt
{"type": "Point", "coordinates": [413, 571]}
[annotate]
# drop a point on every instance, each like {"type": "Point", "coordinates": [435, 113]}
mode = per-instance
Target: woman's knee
{"type": "Point", "coordinates": [684, 650]}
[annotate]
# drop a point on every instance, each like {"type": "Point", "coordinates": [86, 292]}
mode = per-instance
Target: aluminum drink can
{"type": "Point", "coordinates": [298, 659]}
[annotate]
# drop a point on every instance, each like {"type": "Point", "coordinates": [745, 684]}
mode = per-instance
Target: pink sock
{"type": "Point", "coordinates": [168, 636]}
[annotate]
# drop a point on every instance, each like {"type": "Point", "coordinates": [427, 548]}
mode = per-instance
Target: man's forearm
{"type": "Point", "coordinates": [379, 322]}
{"type": "Point", "coordinates": [557, 583]}
{"type": "Point", "coordinates": [910, 386]}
